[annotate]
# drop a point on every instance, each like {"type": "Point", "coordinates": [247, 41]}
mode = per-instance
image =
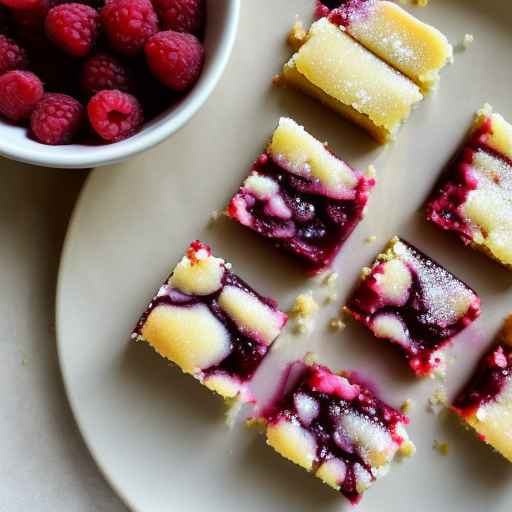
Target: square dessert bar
{"type": "Point", "coordinates": [336, 429]}
{"type": "Point", "coordinates": [413, 302]}
{"type": "Point", "coordinates": [474, 197]}
{"type": "Point", "coordinates": [485, 404]}
{"type": "Point", "coordinates": [302, 197]}
{"type": "Point", "coordinates": [211, 324]}
{"type": "Point", "coordinates": [369, 61]}
{"type": "Point", "coordinates": [417, 50]}
{"type": "Point", "coordinates": [334, 68]}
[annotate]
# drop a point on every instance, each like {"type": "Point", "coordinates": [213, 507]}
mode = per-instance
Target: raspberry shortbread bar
{"type": "Point", "coordinates": [417, 50]}
{"type": "Point", "coordinates": [412, 301]}
{"type": "Point", "coordinates": [370, 61]}
{"type": "Point", "coordinates": [486, 402]}
{"type": "Point", "coordinates": [336, 429]}
{"type": "Point", "coordinates": [211, 324]}
{"type": "Point", "coordinates": [474, 198]}
{"type": "Point", "coordinates": [302, 197]}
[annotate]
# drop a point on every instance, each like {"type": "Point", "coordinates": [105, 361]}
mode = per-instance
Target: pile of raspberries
{"type": "Point", "coordinates": [93, 72]}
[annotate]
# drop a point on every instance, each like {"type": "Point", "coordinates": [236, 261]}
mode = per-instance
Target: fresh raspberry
{"type": "Point", "coordinates": [181, 15]}
{"type": "Point", "coordinates": [176, 59]}
{"type": "Point", "coordinates": [20, 91]}
{"type": "Point", "coordinates": [20, 4]}
{"type": "Point", "coordinates": [12, 56]}
{"type": "Point", "coordinates": [129, 24]}
{"type": "Point", "coordinates": [56, 119]}
{"type": "Point", "coordinates": [114, 115]}
{"type": "Point", "coordinates": [104, 72]}
{"type": "Point", "coordinates": [73, 28]}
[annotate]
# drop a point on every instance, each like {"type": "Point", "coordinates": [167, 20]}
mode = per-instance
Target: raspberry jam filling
{"type": "Point", "coordinates": [353, 432]}
{"type": "Point", "coordinates": [493, 374]}
{"type": "Point", "coordinates": [340, 11]}
{"type": "Point", "coordinates": [298, 214]}
{"type": "Point", "coordinates": [445, 207]}
{"type": "Point", "coordinates": [346, 12]}
{"type": "Point", "coordinates": [412, 301]}
{"type": "Point", "coordinates": [248, 321]}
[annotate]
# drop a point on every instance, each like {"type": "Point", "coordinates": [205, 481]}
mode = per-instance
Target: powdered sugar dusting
{"type": "Point", "coordinates": [447, 298]}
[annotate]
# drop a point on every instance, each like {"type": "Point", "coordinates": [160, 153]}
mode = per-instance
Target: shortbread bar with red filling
{"type": "Point", "coordinates": [412, 301]}
{"type": "Point", "coordinates": [302, 197]}
{"type": "Point", "coordinates": [211, 324]}
{"type": "Point", "coordinates": [337, 429]}
{"type": "Point", "coordinates": [474, 197]}
{"type": "Point", "coordinates": [485, 403]}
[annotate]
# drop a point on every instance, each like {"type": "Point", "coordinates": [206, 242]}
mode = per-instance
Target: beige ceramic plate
{"type": "Point", "coordinates": [157, 435]}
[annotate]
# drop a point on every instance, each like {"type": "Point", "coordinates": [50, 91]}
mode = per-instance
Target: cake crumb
{"type": "Point", "coordinates": [440, 372]}
{"type": "Point", "coordinates": [331, 279]}
{"type": "Point", "coordinates": [407, 406]}
{"type": "Point", "coordinates": [438, 401]}
{"type": "Point", "coordinates": [486, 110]}
{"type": "Point", "coordinates": [305, 305]}
{"type": "Point", "coordinates": [311, 358]}
{"type": "Point", "coordinates": [301, 326]}
{"type": "Point", "coordinates": [441, 447]}
{"type": "Point", "coordinates": [215, 216]}
{"type": "Point", "coordinates": [371, 172]}
{"type": "Point", "coordinates": [337, 324]}
{"type": "Point", "coordinates": [330, 298]}
{"type": "Point", "coordinates": [303, 309]}
{"type": "Point", "coordinates": [468, 40]}
{"type": "Point", "coordinates": [297, 34]}
{"type": "Point", "coordinates": [365, 272]}
{"type": "Point", "coordinates": [371, 239]}
{"type": "Point", "coordinates": [407, 449]}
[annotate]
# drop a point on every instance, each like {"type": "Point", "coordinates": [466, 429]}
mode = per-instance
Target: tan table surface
{"type": "Point", "coordinates": [44, 465]}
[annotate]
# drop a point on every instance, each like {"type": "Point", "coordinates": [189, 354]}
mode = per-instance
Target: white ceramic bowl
{"type": "Point", "coordinates": [219, 38]}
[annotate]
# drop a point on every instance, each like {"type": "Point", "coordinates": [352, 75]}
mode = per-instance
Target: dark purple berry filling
{"type": "Point", "coordinates": [246, 352]}
{"type": "Point", "coordinates": [320, 384]}
{"type": "Point", "coordinates": [452, 191]}
{"type": "Point", "coordinates": [489, 380]}
{"type": "Point", "coordinates": [318, 224]}
{"type": "Point", "coordinates": [346, 11]}
{"type": "Point", "coordinates": [340, 11]}
{"type": "Point", "coordinates": [425, 328]}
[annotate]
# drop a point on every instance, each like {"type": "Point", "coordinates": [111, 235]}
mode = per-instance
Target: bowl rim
{"type": "Point", "coordinates": [81, 157]}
